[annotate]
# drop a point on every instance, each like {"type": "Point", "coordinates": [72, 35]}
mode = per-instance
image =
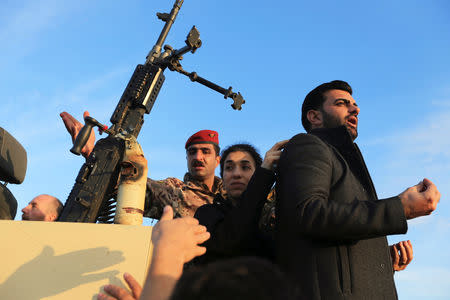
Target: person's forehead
{"type": "Point", "coordinates": [332, 95]}
{"type": "Point", "coordinates": [42, 200]}
{"type": "Point", "coordinates": [200, 146]}
{"type": "Point", "coordinates": [239, 157]}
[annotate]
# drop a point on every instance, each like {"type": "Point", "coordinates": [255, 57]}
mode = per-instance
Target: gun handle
{"type": "Point", "coordinates": [82, 138]}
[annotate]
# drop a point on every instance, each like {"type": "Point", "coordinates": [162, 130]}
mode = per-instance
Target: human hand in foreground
{"type": "Point", "coordinates": [401, 254]}
{"type": "Point", "coordinates": [273, 155]}
{"type": "Point", "coordinates": [175, 242]}
{"type": "Point", "coordinates": [178, 237]}
{"type": "Point", "coordinates": [73, 126]}
{"type": "Point", "coordinates": [420, 200]}
{"type": "Point", "coordinates": [117, 293]}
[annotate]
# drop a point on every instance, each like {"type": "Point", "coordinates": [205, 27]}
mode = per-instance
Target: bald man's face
{"type": "Point", "coordinates": [41, 208]}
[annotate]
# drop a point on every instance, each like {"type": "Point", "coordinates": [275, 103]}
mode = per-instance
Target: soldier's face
{"type": "Point", "coordinates": [238, 168]}
{"type": "Point", "coordinates": [339, 109]}
{"type": "Point", "coordinates": [35, 210]}
{"type": "Point", "coordinates": [202, 160]}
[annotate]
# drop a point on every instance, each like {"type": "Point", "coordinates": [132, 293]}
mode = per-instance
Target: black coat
{"type": "Point", "coordinates": [331, 227]}
{"type": "Point", "coordinates": [234, 229]}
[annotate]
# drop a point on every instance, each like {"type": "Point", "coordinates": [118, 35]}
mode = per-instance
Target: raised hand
{"type": "Point", "coordinates": [273, 155]}
{"type": "Point", "coordinates": [179, 237]}
{"type": "Point", "coordinates": [420, 200]}
{"type": "Point", "coordinates": [117, 293]}
{"type": "Point", "coordinates": [73, 126]}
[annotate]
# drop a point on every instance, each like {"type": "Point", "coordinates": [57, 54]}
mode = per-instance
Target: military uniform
{"type": "Point", "coordinates": [267, 219]}
{"type": "Point", "coordinates": [184, 196]}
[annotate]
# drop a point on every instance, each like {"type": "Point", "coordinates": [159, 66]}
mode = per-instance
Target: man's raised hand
{"type": "Point", "coordinates": [273, 155]}
{"type": "Point", "coordinates": [180, 237]}
{"type": "Point", "coordinates": [420, 200]}
{"type": "Point", "coordinates": [117, 293]}
{"type": "Point", "coordinates": [73, 126]}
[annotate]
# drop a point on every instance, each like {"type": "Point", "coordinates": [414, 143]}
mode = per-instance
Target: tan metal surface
{"type": "Point", "coordinates": [50, 260]}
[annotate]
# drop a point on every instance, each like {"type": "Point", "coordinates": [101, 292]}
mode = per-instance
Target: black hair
{"type": "Point", "coordinates": [217, 149]}
{"type": "Point", "coordinates": [240, 147]}
{"type": "Point", "coordinates": [315, 99]}
{"type": "Point", "coordinates": [238, 278]}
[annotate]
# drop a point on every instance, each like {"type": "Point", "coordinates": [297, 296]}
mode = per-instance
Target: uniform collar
{"type": "Point", "coordinates": [198, 185]}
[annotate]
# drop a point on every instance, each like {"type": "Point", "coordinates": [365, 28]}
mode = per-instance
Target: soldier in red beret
{"type": "Point", "coordinates": [199, 185]}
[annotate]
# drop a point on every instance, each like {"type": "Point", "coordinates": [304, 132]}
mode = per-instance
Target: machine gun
{"type": "Point", "coordinates": [92, 196]}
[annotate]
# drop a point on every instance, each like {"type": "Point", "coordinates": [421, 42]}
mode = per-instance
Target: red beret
{"type": "Point", "coordinates": [203, 137]}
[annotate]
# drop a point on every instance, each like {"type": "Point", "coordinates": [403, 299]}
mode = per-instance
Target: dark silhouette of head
{"type": "Point", "coordinates": [238, 278]}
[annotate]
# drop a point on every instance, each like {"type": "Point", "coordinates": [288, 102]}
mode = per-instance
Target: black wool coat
{"type": "Point", "coordinates": [331, 227]}
{"type": "Point", "coordinates": [234, 228]}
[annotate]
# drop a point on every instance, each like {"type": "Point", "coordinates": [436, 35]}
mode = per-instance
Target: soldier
{"type": "Point", "coordinates": [42, 208]}
{"type": "Point", "coordinates": [199, 185]}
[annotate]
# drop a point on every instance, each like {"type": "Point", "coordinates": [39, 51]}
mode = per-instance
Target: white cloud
{"type": "Point", "coordinates": [412, 284]}
{"type": "Point", "coordinates": [431, 137]}
{"type": "Point", "coordinates": [441, 103]}
{"type": "Point", "coordinates": [406, 156]}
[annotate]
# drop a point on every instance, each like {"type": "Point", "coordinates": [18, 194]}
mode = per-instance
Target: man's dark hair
{"type": "Point", "coordinates": [238, 278]}
{"type": "Point", "coordinates": [216, 149]}
{"type": "Point", "coordinates": [315, 99]}
{"type": "Point", "coordinates": [243, 148]}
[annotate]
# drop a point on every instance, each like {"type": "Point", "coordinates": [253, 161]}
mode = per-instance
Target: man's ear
{"type": "Point", "coordinates": [217, 160]}
{"type": "Point", "coordinates": [50, 217]}
{"type": "Point", "coordinates": [315, 118]}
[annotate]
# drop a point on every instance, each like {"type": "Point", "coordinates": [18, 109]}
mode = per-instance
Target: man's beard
{"type": "Point", "coordinates": [330, 121]}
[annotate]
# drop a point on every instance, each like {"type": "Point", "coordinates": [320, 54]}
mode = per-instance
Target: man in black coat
{"type": "Point", "coordinates": [331, 226]}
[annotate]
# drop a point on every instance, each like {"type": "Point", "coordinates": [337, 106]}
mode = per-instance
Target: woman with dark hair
{"type": "Point", "coordinates": [233, 220]}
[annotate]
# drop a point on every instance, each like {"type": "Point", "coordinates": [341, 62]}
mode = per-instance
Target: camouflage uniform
{"type": "Point", "coordinates": [267, 219]}
{"type": "Point", "coordinates": [184, 196]}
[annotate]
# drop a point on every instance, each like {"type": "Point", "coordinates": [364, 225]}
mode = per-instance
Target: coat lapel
{"type": "Point", "coordinates": [340, 139]}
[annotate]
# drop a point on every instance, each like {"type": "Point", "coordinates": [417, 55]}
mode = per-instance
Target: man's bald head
{"type": "Point", "coordinates": [42, 208]}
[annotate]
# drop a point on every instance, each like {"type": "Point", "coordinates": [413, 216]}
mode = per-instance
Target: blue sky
{"type": "Point", "coordinates": [70, 56]}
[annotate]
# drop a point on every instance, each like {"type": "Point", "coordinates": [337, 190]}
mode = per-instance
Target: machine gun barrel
{"type": "Point", "coordinates": [169, 19]}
